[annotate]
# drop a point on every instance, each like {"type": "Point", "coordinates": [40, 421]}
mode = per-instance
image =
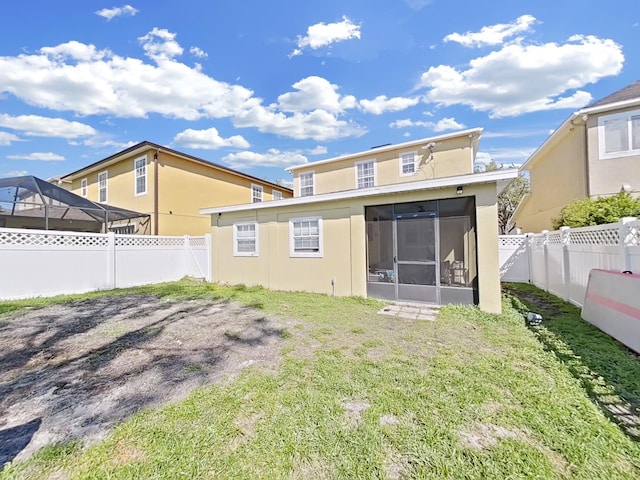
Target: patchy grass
{"type": "Point", "coordinates": [359, 395]}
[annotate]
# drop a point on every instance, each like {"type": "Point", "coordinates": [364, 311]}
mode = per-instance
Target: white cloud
{"type": "Point", "coordinates": [315, 93]}
{"type": "Point", "coordinates": [110, 13]}
{"type": "Point", "coordinates": [417, 5]}
{"type": "Point", "coordinates": [273, 158]}
{"type": "Point", "coordinates": [519, 79]}
{"type": "Point", "coordinates": [325, 34]}
{"type": "Point", "coordinates": [160, 44]}
{"type": "Point", "coordinates": [198, 52]}
{"type": "Point", "coordinates": [37, 126]}
{"type": "Point", "coordinates": [15, 173]}
{"type": "Point", "coordinates": [318, 150]}
{"type": "Point", "coordinates": [382, 104]}
{"type": "Point", "coordinates": [7, 138]}
{"type": "Point", "coordinates": [493, 35]}
{"type": "Point", "coordinates": [208, 139]}
{"type": "Point", "coordinates": [439, 126]}
{"type": "Point", "coordinates": [39, 156]}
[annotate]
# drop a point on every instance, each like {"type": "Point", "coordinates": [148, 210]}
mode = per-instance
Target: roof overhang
{"type": "Point", "coordinates": [473, 133]}
{"type": "Point", "coordinates": [500, 177]}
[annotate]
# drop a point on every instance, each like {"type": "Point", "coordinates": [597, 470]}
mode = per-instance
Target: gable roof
{"type": "Point", "coordinates": [146, 145]}
{"type": "Point", "coordinates": [627, 93]}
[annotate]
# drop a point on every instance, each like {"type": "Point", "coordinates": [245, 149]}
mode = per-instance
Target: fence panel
{"type": "Point", "coordinates": [537, 261]}
{"type": "Point", "coordinates": [514, 259]}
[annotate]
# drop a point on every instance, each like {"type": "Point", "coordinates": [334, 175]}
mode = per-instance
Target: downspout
{"type": "Point", "coordinates": [155, 192]}
{"type": "Point", "coordinates": [587, 182]}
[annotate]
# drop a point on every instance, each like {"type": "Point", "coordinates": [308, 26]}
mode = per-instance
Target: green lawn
{"type": "Point", "coordinates": [360, 396]}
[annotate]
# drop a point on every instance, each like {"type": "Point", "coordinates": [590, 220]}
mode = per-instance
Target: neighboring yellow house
{"type": "Point", "coordinates": [168, 185]}
{"type": "Point", "coordinates": [595, 152]}
{"type": "Point", "coordinates": [407, 222]}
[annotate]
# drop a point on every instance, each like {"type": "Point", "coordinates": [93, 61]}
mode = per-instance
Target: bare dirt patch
{"type": "Point", "coordinates": [73, 371]}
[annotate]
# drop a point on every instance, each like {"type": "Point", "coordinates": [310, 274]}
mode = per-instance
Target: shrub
{"type": "Point", "coordinates": [598, 211]}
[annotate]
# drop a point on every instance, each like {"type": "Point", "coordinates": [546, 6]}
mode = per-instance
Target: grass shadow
{"type": "Point", "coordinates": [608, 371]}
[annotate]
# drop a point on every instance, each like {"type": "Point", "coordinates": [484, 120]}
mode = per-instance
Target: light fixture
{"type": "Point", "coordinates": [459, 190]}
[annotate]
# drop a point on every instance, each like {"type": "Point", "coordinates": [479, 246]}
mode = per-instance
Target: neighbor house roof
{"type": "Point", "coordinates": [142, 146]}
{"type": "Point", "coordinates": [423, 142]}
{"type": "Point", "coordinates": [501, 177]}
{"type": "Point", "coordinates": [629, 92]}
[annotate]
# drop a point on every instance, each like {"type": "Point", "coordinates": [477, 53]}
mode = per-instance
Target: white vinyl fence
{"type": "Point", "coordinates": [38, 263]}
{"type": "Point", "coordinates": [559, 262]}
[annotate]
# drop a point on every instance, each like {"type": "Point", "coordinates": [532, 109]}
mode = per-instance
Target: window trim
{"type": "Point", "coordinates": [313, 183]}
{"type": "Point", "coordinates": [401, 163]}
{"type": "Point", "coordinates": [627, 116]}
{"type": "Point", "coordinates": [292, 252]}
{"type": "Point", "coordinates": [256, 250]}
{"type": "Point", "coordinates": [255, 187]}
{"type": "Point", "coordinates": [274, 193]}
{"type": "Point", "coordinates": [106, 186]}
{"type": "Point", "coordinates": [375, 172]}
{"type": "Point", "coordinates": [135, 176]}
{"type": "Point", "coordinates": [84, 187]}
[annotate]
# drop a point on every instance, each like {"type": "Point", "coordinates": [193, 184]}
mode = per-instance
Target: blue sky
{"type": "Point", "coordinates": [263, 85]}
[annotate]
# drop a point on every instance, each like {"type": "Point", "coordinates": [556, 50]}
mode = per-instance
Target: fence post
{"type": "Point", "coordinates": [625, 242]}
{"type": "Point", "coordinates": [566, 265]}
{"type": "Point", "coordinates": [527, 245]}
{"type": "Point", "coordinates": [186, 246]}
{"type": "Point", "coordinates": [209, 266]}
{"type": "Point", "coordinates": [111, 260]}
{"type": "Point", "coordinates": [545, 256]}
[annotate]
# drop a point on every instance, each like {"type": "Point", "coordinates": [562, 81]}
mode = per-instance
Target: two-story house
{"type": "Point", "coordinates": [407, 222]}
{"type": "Point", "coordinates": [169, 186]}
{"type": "Point", "coordinates": [594, 153]}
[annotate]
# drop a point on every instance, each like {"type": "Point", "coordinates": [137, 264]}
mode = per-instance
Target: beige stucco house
{"type": "Point", "coordinates": [408, 222]}
{"type": "Point", "coordinates": [169, 186]}
{"type": "Point", "coordinates": [595, 152]}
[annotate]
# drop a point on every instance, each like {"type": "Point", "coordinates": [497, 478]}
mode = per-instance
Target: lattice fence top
{"type": "Point", "coordinates": [197, 242]}
{"type": "Point", "coordinates": [554, 238]}
{"type": "Point", "coordinates": [609, 237]}
{"type": "Point", "coordinates": [632, 237]}
{"type": "Point", "coordinates": [51, 238]}
{"type": "Point", "coordinates": [511, 240]}
{"type": "Point", "coordinates": [148, 241]}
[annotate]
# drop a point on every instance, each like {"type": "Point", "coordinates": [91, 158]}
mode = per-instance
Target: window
{"type": "Point", "coordinates": [277, 195]}
{"type": "Point", "coordinates": [124, 230]}
{"type": "Point", "coordinates": [83, 187]}
{"type": "Point", "coordinates": [256, 193]}
{"type": "Point", "coordinates": [305, 237]}
{"type": "Point", "coordinates": [102, 187]}
{"type": "Point", "coordinates": [619, 134]}
{"type": "Point", "coordinates": [245, 239]}
{"type": "Point", "coordinates": [140, 167]}
{"type": "Point", "coordinates": [306, 184]}
{"type": "Point", "coordinates": [407, 163]}
{"type": "Point", "coordinates": [365, 174]}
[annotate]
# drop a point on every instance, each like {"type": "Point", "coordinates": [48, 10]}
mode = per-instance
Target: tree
{"type": "Point", "coordinates": [598, 211]}
{"type": "Point", "coordinates": [509, 198]}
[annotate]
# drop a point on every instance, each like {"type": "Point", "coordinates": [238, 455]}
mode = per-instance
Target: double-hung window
{"type": "Point", "coordinates": [305, 237]}
{"type": "Point", "coordinates": [245, 239]}
{"type": "Point", "coordinates": [140, 169]}
{"type": "Point", "coordinates": [83, 187]}
{"type": "Point", "coordinates": [102, 187]}
{"type": "Point", "coordinates": [619, 134]}
{"type": "Point", "coordinates": [366, 174]}
{"type": "Point", "coordinates": [306, 184]}
{"type": "Point", "coordinates": [407, 163]}
{"type": "Point", "coordinates": [256, 193]}
{"type": "Point", "coordinates": [277, 195]}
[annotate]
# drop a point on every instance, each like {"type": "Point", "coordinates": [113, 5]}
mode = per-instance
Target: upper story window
{"type": "Point", "coordinates": [83, 187]}
{"type": "Point", "coordinates": [366, 174]}
{"type": "Point", "coordinates": [306, 184]}
{"type": "Point", "coordinates": [256, 193]}
{"type": "Point", "coordinates": [245, 239]}
{"type": "Point", "coordinates": [619, 134]}
{"type": "Point", "coordinates": [102, 187]}
{"type": "Point", "coordinates": [408, 163]}
{"type": "Point", "coordinates": [277, 195]}
{"type": "Point", "coordinates": [140, 168]}
{"type": "Point", "coordinates": [305, 237]}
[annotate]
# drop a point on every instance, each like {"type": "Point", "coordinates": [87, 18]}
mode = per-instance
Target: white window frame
{"type": "Point", "coordinates": [105, 187]}
{"type": "Point", "coordinates": [236, 237]}
{"type": "Point", "coordinates": [357, 166]}
{"type": "Point", "coordinates": [312, 174]}
{"type": "Point", "coordinates": [627, 117]}
{"type": "Point", "coordinates": [257, 189]}
{"type": "Point", "coordinates": [305, 254]}
{"type": "Point", "coordinates": [136, 175]}
{"type": "Point", "coordinates": [401, 163]}
{"type": "Point", "coordinates": [84, 187]}
{"type": "Point", "coordinates": [276, 194]}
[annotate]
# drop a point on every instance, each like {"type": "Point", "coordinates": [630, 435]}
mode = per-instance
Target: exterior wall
{"type": "Point", "coordinates": [608, 175]}
{"type": "Point", "coordinates": [556, 179]}
{"type": "Point", "coordinates": [344, 249]}
{"type": "Point", "coordinates": [184, 187]}
{"type": "Point", "coordinates": [450, 157]}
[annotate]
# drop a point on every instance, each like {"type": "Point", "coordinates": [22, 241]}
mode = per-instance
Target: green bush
{"type": "Point", "coordinates": [598, 211]}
